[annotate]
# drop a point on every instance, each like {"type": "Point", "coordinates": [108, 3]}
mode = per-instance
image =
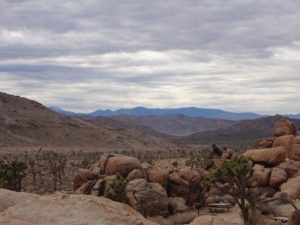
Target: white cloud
{"type": "Point", "coordinates": [238, 55]}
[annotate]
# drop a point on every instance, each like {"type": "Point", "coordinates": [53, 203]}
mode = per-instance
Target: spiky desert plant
{"type": "Point", "coordinates": [193, 162]}
{"type": "Point", "coordinates": [175, 164]}
{"type": "Point", "coordinates": [234, 174]}
{"type": "Point", "coordinates": [117, 189]}
{"type": "Point", "coordinates": [11, 174]}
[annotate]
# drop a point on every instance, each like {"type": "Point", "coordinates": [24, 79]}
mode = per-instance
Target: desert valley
{"type": "Point", "coordinates": [138, 112]}
{"type": "Point", "coordinates": [157, 177]}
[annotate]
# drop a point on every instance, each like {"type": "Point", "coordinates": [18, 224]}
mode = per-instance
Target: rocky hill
{"type": "Point", "coordinates": [165, 188]}
{"type": "Point", "coordinates": [26, 123]}
{"type": "Point", "coordinates": [177, 125]}
{"type": "Point", "coordinates": [244, 133]}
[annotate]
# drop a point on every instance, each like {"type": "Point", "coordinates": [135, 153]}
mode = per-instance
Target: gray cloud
{"type": "Point", "coordinates": [235, 55]}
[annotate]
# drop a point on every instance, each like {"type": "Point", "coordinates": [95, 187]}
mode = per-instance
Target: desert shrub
{"type": "Point", "coordinates": [149, 161]}
{"type": "Point", "coordinates": [234, 174]}
{"type": "Point", "coordinates": [175, 164]}
{"type": "Point", "coordinates": [85, 163]}
{"type": "Point", "coordinates": [193, 162]}
{"type": "Point", "coordinates": [11, 174]}
{"type": "Point", "coordinates": [117, 189]}
{"type": "Point", "coordinates": [56, 165]}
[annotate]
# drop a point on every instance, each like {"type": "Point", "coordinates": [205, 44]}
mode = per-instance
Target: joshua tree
{"type": "Point", "coordinates": [175, 164]}
{"type": "Point", "coordinates": [235, 175]}
{"type": "Point", "coordinates": [32, 170]}
{"type": "Point", "coordinates": [12, 174]}
{"type": "Point", "coordinates": [57, 165]}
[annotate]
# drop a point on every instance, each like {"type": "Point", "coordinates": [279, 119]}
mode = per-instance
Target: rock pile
{"type": "Point", "coordinates": [150, 190]}
{"type": "Point", "coordinates": [154, 191]}
{"type": "Point", "coordinates": [276, 168]}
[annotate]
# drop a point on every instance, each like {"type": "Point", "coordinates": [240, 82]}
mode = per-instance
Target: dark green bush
{"type": "Point", "coordinates": [117, 189]}
{"type": "Point", "coordinates": [12, 174]}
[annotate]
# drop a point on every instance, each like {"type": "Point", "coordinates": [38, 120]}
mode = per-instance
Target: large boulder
{"type": "Point", "coordinates": [295, 152]}
{"type": "Point", "coordinates": [267, 156]}
{"type": "Point", "coordinates": [83, 177]}
{"type": "Point", "coordinates": [148, 198]}
{"type": "Point", "coordinates": [284, 127]}
{"type": "Point", "coordinates": [99, 166]}
{"type": "Point", "coordinates": [260, 176]}
{"type": "Point", "coordinates": [278, 176]}
{"type": "Point", "coordinates": [193, 177]}
{"type": "Point", "coordinates": [292, 187]}
{"type": "Point", "coordinates": [290, 166]}
{"type": "Point", "coordinates": [137, 174]}
{"type": "Point", "coordinates": [177, 187]}
{"type": "Point", "coordinates": [190, 175]}
{"type": "Point", "coordinates": [60, 209]}
{"type": "Point", "coordinates": [157, 175]}
{"type": "Point", "coordinates": [122, 165]}
{"type": "Point", "coordinates": [279, 208]}
{"type": "Point", "coordinates": [286, 142]}
{"type": "Point", "coordinates": [186, 184]}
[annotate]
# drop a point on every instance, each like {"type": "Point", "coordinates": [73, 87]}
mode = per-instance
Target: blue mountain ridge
{"type": "Point", "coordinates": [188, 111]}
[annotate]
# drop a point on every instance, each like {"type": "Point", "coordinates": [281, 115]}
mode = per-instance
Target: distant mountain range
{"type": "Point", "coordinates": [26, 123]}
{"type": "Point", "coordinates": [188, 112]}
{"type": "Point", "coordinates": [295, 116]}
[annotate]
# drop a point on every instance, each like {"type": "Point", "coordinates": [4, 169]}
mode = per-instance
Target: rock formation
{"type": "Point", "coordinates": [61, 209]}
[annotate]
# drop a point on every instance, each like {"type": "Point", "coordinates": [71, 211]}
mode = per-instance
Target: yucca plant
{"type": "Point", "coordinates": [117, 189]}
{"type": "Point", "coordinates": [234, 174]}
{"type": "Point", "coordinates": [11, 174]}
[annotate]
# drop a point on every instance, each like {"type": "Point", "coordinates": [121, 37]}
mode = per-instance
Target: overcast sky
{"type": "Point", "coordinates": [238, 55]}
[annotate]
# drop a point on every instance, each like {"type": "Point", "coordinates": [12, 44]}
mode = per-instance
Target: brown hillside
{"type": "Point", "coordinates": [243, 134]}
{"type": "Point", "coordinates": [26, 123]}
{"type": "Point", "coordinates": [177, 125]}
